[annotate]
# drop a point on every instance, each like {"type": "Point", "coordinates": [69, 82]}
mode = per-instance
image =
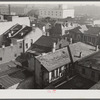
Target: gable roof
{"type": "Point", "coordinates": [52, 61]}
{"type": "Point", "coordinates": [61, 57]}
{"type": "Point", "coordinates": [76, 30]}
{"type": "Point", "coordinates": [45, 41]}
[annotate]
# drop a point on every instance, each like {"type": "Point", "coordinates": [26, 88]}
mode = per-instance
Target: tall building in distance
{"type": "Point", "coordinates": [60, 12]}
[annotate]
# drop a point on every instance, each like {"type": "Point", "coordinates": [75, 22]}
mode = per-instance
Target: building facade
{"type": "Point", "coordinates": [57, 66]}
{"type": "Point", "coordinates": [60, 12]}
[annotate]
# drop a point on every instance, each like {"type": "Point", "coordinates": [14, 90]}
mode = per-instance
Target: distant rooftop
{"type": "Point", "coordinates": [93, 31]}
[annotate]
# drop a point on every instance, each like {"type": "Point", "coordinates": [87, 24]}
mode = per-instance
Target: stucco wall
{"type": "Point", "coordinates": [10, 53]}
{"type": "Point", "coordinates": [35, 35]}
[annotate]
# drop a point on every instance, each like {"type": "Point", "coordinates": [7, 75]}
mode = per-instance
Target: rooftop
{"type": "Point", "coordinates": [93, 31]}
{"type": "Point", "coordinates": [61, 57]}
{"type": "Point", "coordinates": [9, 80]}
{"type": "Point", "coordinates": [14, 29]}
{"type": "Point", "coordinates": [92, 61]}
{"type": "Point", "coordinates": [52, 61]}
{"type": "Point", "coordinates": [44, 44]}
{"type": "Point", "coordinates": [85, 50]}
{"type": "Point", "coordinates": [23, 32]}
{"type": "Point", "coordinates": [96, 86]}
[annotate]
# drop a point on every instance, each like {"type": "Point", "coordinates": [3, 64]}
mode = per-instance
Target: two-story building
{"type": "Point", "coordinates": [55, 66]}
{"type": "Point", "coordinates": [24, 35]}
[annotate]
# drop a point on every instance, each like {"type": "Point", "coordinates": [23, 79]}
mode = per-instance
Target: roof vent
{"type": "Point", "coordinates": [79, 55]}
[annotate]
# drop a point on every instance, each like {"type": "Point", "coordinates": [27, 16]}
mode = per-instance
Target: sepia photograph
{"type": "Point", "coordinates": [50, 46]}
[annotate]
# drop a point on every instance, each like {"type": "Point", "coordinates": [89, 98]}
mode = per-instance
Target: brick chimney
{"type": "Point", "coordinates": [44, 28]}
{"type": "Point", "coordinates": [3, 46]}
{"type": "Point", "coordinates": [11, 44]}
{"type": "Point", "coordinates": [9, 35]}
{"type": "Point", "coordinates": [71, 40]}
{"type": "Point", "coordinates": [97, 48]}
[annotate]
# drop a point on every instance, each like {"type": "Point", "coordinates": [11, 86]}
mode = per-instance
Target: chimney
{"type": "Point", "coordinates": [54, 47]}
{"type": "Point", "coordinates": [9, 35]}
{"type": "Point", "coordinates": [22, 34]}
{"type": "Point", "coordinates": [3, 46]}
{"type": "Point", "coordinates": [43, 54]}
{"type": "Point", "coordinates": [97, 48]}
{"type": "Point", "coordinates": [11, 44]}
{"type": "Point", "coordinates": [71, 41]}
{"type": "Point", "coordinates": [47, 33]}
{"type": "Point", "coordinates": [44, 28]}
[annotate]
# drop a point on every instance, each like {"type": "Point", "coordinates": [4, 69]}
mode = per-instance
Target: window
{"type": "Point", "coordinates": [26, 45]}
{"type": "Point", "coordinates": [20, 45]}
{"type": "Point", "coordinates": [83, 71]}
{"type": "Point", "coordinates": [0, 58]}
{"type": "Point", "coordinates": [93, 74]}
